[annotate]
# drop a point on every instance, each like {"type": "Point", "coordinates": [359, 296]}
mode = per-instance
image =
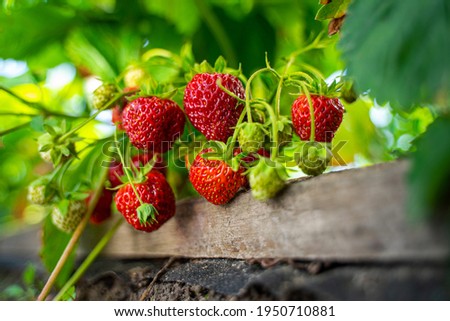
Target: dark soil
{"type": "Point", "coordinates": [224, 279]}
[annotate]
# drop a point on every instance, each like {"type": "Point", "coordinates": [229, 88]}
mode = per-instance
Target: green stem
{"type": "Point", "coordinates": [234, 138]}
{"type": "Point", "coordinates": [217, 30]}
{"type": "Point", "coordinates": [88, 261]}
{"type": "Point", "coordinates": [248, 88]}
{"type": "Point", "coordinates": [86, 121]}
{"type": "Point", "coordinates": [10, 130]}
{"type": "Point", "coordinates": [126, 170]}
{"type": "Point", "coordinates": [315, 44]}
{"type": "Point", "coordinates": [280, 85]}
{"type": "Point", "coordinates": [23, 101]}
{"type": "Point", "coordinates": [274, 121]}
{"type": "Point", "coordinates": [44, 111]}
{"type": "Point", "coordinates": [312, 135]}
{"type": "Point", "coordinates": [248, 107]}
{"type": "Point", "coordinates": [17, 114]}
{"type": "Point", "coordinates": [228, 92]}
{"type": "Point", "coordinates": [74, 239]}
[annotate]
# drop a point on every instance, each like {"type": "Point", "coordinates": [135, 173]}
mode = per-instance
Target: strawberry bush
{"type": "Point", "coordinates": [111, 112]}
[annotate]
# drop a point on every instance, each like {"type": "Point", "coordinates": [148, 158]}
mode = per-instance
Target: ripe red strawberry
{"type": "Point", "coordinates": [116, 169]}
{"type": "Point", "coordinates": [153, 123]}
{"type": "Point", "coordinates": [102, 210]}
{"type": "Point", "coordinates": [215, 180]}
{"type": "Point", "coordinates": [328, 113]}
{"type": "Point", "coordinates": [211, 110]}
{"type": "Point", "coordinates": [155, 191]}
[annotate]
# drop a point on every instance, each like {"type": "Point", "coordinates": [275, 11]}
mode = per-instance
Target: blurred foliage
{"type": "Point", "coordinates": [27, 289]}
{"type": "Point", "coordinates": [399, 50]}
{"type": "Point", "coordinates": [65, 47]}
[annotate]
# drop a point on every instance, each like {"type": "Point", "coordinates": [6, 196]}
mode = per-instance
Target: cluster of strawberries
{"type": "Point", "coordinates": [153, 124]}
{"type": "Point", "coordinates": [215, 104]}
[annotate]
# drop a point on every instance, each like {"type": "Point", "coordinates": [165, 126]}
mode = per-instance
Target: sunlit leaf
{"type": "Point", "coordinates": [333, 9]}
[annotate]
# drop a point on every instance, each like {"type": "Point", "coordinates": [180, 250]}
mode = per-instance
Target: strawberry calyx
{"type": "Point", "coordinates": [147, 214]}
{"type": "Point", "coordinates": [220, 67]}
{"type": "Point", "coordinates": [52, 148]}
{"type": "Point", "coordinates": [152, 88]}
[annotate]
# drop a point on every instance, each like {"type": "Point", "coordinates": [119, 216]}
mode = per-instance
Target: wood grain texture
{"type": "Point", "coordinates": [355, 215]}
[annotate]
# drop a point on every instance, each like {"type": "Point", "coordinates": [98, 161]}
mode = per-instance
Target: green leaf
{"type": "Point", "coordinates": [69, 295]}
{"type": "Point", "coordinates": [85, 53]}
{"type": "Point", "coordinates": [64, 150]}
{"type": "Point", "coordinates": [78, 196]}
{"type": "Point", "coordinates": [429, 176]}
{"type": "Point", "coordinates": [46, 148]}
{"type": "Point", "coordinates": [220, 64]}
{"type": "Point", "coordinates": [29, 275]}
{"type": "Point", "coordinates": [398, 50]}
{"type": "Point", "coordinates": [334, 9]}
{"type": "Point", "coordinates": [53, 244]}
{"type": "Point", "coordinates": [48, 128]}
{"type": "Point", "coordinates": [63, 206]}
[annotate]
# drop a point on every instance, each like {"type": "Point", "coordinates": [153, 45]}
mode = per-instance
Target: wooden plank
{"type": "Point", "coordinates": [356, 214]}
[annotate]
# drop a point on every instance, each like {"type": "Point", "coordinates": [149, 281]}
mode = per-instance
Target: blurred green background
{"type": "Point", "coordinates": [56, 52]}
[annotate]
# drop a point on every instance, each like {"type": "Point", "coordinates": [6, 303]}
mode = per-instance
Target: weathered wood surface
{"type": "Point", "coordinates": [357, 214]}
{"type": "Point", "coordinates": [353, 215]}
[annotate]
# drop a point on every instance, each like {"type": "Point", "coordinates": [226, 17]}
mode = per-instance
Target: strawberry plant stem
{"type": "Point", "coordinates": [280, 86]}
{"type": "Point", "coordinates": [10, 130]}
{"type": "Point", "coordinates": [43, 110]}
{"type": "Point", "coordinates": [23, 101]}
{"type": "Point", "coordinates": [230, 150]}
{"type": "Point", "coordinates": [126, 170]}
{"type": "Point", "coordinates": [86, 121]}
{"type": "Point", "coordinates": [89, 259]}
{"type": "Point", "coordinates": [248, 89]}
{"type": "Point", "coordinates": [74, 239]}
{"type": "Point", "coordinates": [17, 114]}
{"type": "Point", "coordinates": [312, 135]}
{"type": "Point", "coordinates": [274, 120]}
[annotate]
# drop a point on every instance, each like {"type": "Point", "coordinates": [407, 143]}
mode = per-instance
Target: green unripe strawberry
{"type": "Point", "coordinates": [266, 179]}
{"type": "Point", "coordinates": [37, 191]}
{"type": "Point", "coordinates": [284, 138]}
{"type": "Point", "coordinates": [314, 158]}
{"type": "Point", "coordinates": [66, 215]}
{"type": "Point", "coordinates": [135, 76]}
{"type": "Point", "coordinates": [251, 137]}
{"type": "Point", "coordinates": [103, 94]}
